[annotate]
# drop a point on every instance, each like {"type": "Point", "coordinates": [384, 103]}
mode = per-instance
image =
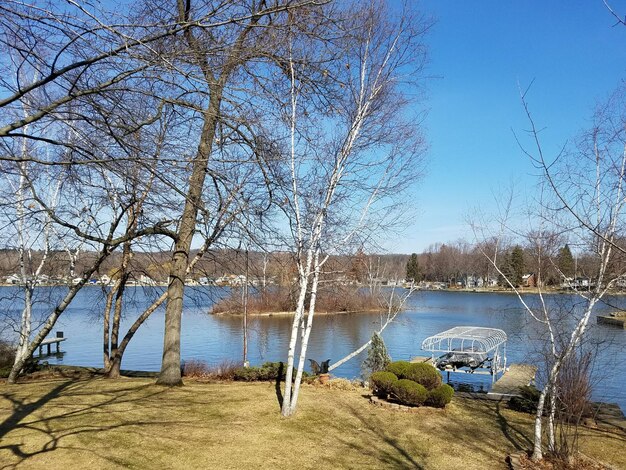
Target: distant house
{"type": "Point", "coordinates": [581, 282]}
{"type": "Point", "coordinates": [529, 280]}
{"type": "Point", "coordinates": [146, 280]}
{"type": "Point", "coordinates": [206, 281]}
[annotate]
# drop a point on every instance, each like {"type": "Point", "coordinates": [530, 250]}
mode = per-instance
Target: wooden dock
{"type": "Point", "coordinates": [518, 375]}
{"type": "Point", "coordinates": [427, 359]}
{"type": "Point", "coordinates": [613, 320]}
{"type": "Point", "coordinates": [49, 342]}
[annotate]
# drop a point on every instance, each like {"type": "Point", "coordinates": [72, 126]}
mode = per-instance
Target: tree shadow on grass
{"type": "Point", "coordinates": [279, 393]}
{"type": "Point", "coordinates": [462, 429]}
{"type": "Point", "coordinates": [389, 449]}
{"type": "Point", "coordinates": [515, 433]}
{"type": "Point", "coordinates": [23, 417]}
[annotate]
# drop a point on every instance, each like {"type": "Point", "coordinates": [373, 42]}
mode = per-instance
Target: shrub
{"type": "Point", "coordinates": [424, 374]}
{"type": "Point", "coordinates": [409, 392]}
{"type": "Point", "coordinates": [201, 370]}
{"type": "Point", "coordinates": [399, 368]}
{"type": "Point", "coordinates": [7, 357]}
{"type": "Point", "coordinates": [266, 372]}
{"type": "Point", "coordinates": [439, 397]}
{"type": "Point", "coordinates": [527, 400]}
{"type": "Point", "coordinates": [382, 383]}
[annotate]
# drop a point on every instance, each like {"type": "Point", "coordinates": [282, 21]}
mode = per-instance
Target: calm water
{"type": "Point", "coordinates": [215, 339]}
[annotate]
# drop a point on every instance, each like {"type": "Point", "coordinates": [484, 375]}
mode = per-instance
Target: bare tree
{"type": "Point", "coordinates": [217, 66]}
{"type": "Point", "coordinates": [339, 177]}
{"type": "Point", "coordinates": [584, 196]}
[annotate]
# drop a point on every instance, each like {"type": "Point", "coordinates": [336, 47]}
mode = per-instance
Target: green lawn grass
{"type": "Point", "coordinates": [132, 423]}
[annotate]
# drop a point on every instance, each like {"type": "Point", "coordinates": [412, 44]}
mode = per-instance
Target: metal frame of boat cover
{"type": "Point", "coordinates": [473, 341]}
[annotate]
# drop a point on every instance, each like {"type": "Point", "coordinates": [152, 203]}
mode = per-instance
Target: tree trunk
{"type": "Point", "coordinates": [116, 359]}
{"type": "Point", "coordinates": [170, 374]}
{"type": "Point", "coordinates": [537, 447]}
{"type": "Point", "coordinates": [115, 364]}
{"type": "Point", "coordinates": [54, 316]}
{"type": "Point", "coordinates": [21, 355]}
{"type": "Point", "coordinates": [295, 326]}
{"type": "Point", "coordinates": [106, 326]}
{"type": "Point", "coordinates": [305, 339]}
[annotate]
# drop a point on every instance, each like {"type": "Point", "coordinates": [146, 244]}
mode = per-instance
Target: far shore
{"type": "Point", "coordinates": [291, 312]}
{"type": "Point", "coordinates": [477, 290]}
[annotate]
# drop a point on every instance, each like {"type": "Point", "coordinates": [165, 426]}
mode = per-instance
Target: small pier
{"type": "Point", "coordinates": [426, 359]}
{"type": "Point", "coordinates": [48, 344]}
{"type": "Point", "coordinates": [614, 319]}
{"type": "Point", "coordinates": [518, 375]}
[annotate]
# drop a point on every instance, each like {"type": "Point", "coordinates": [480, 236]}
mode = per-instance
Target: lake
{"type": "Point", "coordinates": [219, 338]}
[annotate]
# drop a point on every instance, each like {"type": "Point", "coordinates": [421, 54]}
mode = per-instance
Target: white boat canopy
{"type": "Point", "coordinates": [469, 349]}
{"type": "Point", "coordinates": [465, 338]}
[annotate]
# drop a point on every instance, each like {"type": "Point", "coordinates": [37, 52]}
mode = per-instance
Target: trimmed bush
{"type": "Point", "coordinates": [410, 393]}
{"type": "Point", "coordinates": [382, 383]}
{"type": "Point", "coordinates": [439, 397]}
{"type": "Point", "coordinates": [424, 374]}
{"type": "Point", "coordinates": [399, 368]}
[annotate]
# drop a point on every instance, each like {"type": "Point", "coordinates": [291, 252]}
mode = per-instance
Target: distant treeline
{"type": "Point", "coordinates": [452, 263]}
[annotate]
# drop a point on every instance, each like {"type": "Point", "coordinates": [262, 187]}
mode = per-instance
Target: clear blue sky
{"type": "Point", "coordinates": [480, 51]}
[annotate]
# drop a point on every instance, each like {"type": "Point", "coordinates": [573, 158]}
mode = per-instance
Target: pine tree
{"type": "Point", "coordinates": [565, 261]}
{"type": "Point", "coordinates": [413, 268]}
{"type": "Point", "coordinates": [377, 356]}
{"type": "Point", "coordinates": [517, 265]}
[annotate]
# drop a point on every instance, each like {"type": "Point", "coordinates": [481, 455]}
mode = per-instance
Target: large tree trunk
{"type": "Point", "coordinates": [106, 326]}
{"type": "Point", "coordinates": [170, 366]}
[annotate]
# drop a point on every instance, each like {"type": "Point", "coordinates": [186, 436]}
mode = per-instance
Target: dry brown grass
{"type": "Point", "coordinates": [132, 423]}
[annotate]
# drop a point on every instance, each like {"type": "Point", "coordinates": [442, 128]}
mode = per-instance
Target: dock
{"type": "Point", "coordinates": [426, 359]}
{"type": "Point", "coordinates": [615, 319]}
{"type": "Point", "coordinates": [507, 386]}
{"type": "Point", "coordinates": [518, 375]}
{"type": "Point", "coordinates": [49, 342]}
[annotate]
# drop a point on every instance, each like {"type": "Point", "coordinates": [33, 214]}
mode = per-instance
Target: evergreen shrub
{"type": "Point", "coordinates": [410, 393]}
{"type": "Point", "coordinates": [399, 368]}
{"type": "Point", "coordinates": [439, 397]}
{"type": "Point", "coordinates": [424, 374]}
{"type": "Point", "coordinates": [382, 383]}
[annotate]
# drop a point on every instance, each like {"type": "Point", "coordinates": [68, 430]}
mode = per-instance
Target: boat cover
{"type": "Point", "coordinates": [465, 358]}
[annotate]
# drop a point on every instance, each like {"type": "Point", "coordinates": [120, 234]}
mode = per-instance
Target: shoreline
{"type": "Point", "coordinates": [291, 313]}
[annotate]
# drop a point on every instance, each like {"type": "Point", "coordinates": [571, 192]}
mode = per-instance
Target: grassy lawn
{"type": "Point", "coordinates": [131, 423]}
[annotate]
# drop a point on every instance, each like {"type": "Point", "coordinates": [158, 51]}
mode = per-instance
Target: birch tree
{"type": "Point", "coordinates": [583, 196]}
{"type": "Point", "coordinates": [343, 174]}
